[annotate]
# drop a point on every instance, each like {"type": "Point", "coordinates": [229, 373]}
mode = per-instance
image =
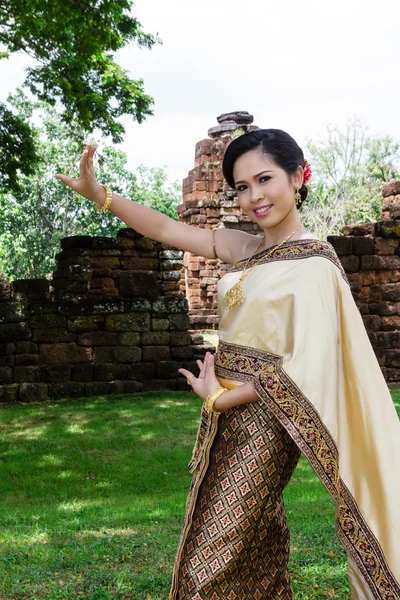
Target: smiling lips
{"type": "Point", "coordinates": [260, 211]}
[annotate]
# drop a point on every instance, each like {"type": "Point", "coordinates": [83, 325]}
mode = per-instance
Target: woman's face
{"type": "Point", "coordinates": [260, 183]}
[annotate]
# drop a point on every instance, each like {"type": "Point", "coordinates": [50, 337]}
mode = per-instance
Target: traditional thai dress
{"type": "Point", "coordinates": [300, 340]}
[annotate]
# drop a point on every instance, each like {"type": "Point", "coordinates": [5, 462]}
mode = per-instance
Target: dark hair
{"type": "Point", "coordinates": [277, 144]}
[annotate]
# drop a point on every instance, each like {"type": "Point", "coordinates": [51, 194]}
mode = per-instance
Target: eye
{"type": "Point", "coordinates": [241, 188]}
{"type": "Point", "coordinates": [264, 178]}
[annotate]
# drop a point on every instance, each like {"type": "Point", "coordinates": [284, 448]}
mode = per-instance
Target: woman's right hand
{"type": "Point", "coordinates": [86, 184]}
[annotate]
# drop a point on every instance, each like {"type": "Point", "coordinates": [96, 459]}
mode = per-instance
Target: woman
{"type": "Point", "coordinates": [294, 372]}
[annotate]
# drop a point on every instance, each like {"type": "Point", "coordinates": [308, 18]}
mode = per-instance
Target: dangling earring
{"type": "Point", "coordinates": [297, 197]}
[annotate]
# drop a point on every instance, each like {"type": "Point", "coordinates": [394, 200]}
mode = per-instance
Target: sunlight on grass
{"type": "Point", "coordinates": [93, 509]}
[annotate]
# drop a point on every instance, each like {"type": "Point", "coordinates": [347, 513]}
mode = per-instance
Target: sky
{"type": "Point", "coordinates": [293, 65]}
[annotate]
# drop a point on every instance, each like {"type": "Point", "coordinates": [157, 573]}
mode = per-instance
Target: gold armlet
{"type": "Point", "coordinates": [107, 204]}
{"type": "Point", "coordinates": [211, 400]}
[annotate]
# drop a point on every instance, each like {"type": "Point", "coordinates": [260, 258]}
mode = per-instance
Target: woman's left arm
{"type": "Point", "coordinates": [206, 383]}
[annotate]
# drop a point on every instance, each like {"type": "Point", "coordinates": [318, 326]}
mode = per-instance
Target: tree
{"type": "Point", "coordinates": [38, 215]}
{"type": "Point", "coordinates": [73, 43]}
{"type": "Point", "coordinates": [349, 169]}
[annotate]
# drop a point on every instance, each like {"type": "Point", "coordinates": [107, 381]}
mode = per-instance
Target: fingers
{"type": "Point", "coordinates": [67, 180]}
{"type": "Point", "coordinates": [187, 374]}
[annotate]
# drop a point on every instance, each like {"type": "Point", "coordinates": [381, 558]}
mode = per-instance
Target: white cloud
{"type": "Point", "coordinates": [293, 65]}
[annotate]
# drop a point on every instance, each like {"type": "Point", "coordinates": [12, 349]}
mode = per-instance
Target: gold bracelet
{"type": "Point", "coordinates": [107, 204]}
{"type": "Point", "coordinates": [212, 398]}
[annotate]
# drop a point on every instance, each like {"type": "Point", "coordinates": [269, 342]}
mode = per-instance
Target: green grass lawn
{"type": "Point", "coordinates": [92, 497]}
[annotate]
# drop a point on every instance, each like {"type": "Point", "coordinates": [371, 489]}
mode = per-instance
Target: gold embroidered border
{"type": "Point", "coordinates": [293, 250]}
{"type": "Point", "coordinates": [301, 420]}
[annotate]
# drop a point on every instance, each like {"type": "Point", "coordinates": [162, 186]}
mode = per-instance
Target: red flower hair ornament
{"type": "Point", "coordinates": [307, 172]}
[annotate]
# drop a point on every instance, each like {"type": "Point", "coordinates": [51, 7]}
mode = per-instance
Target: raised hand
{"type": "Point", "coordinates": [86, 184]}
{"type": "Point", "coordinates": [206, 382]}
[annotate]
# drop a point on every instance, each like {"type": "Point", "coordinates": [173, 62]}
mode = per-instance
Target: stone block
{"type": "Point", "coordinates": [156, 353]}
{"type": "Point", "coordinates": [109, 371]}
{"type": "Point", "coordinates": [128, 322]}
{"type": "Point", "coordinates": [55, 373]}
{"type": "Point", "coordinates": [82, 372]}
{"type": "Point", "coordinates": [392, 375]}
{"type": "Point", "coordinates": [26, 359]}
{"type": "Point", "coordinates": [161, 384]}
{"type": "Point", "coordinates": [384, 308]}
{"type": "Point", "coordinates": [27, 374]}
{"type": "Point", "coordinates": [388, 246]}
{"type": "Point", "coordinates": [351, 264]}
{"type": "Point", "coordinates": [33, 392]}
{"type": "Point", "coordinates": [42, 308]}
{"type": "Point", "coordinates": [372, 322]}
{"type": "Point", "coordinates": [171, 254]}
{"type": "Point", "coordinates": [138, 263]}
{"type": "Point", "coordinates": [342, 245]}
{"type": "Point", "coordinates": [392, 188]}
{"type": "Point", "coordinates": [5, 289]}
{"type": "Point", "coordinates": [161, 324]}
{"type": "Point", "coordinates": [388, 229]}
{"type": "Point", "coordinates": [47, 321]}
{"type": "Point", "coordinates": [155, 338]}
{"type": "Point", "coordinates": [141, 371]}
{"type": "Point", "coordinates": [182, 352]}
{"type": "Point", "coordinates": [138, 284]}
{"type": "Point", "coordinates": [170, 275]}
{"type": "Point", "coordinates": [7, 361]}
{"type": "Point", "coordinates": [363, 245]}
{"type": "Point", "coordinates": [69, 389]}
{"type": "Point", "coordinates": [172, 265]}
{"type": "Point", "coordinates": [367, 277]}
{"type": "Point", "coordinates": [7, 348]}
{"type": "Point", "coordinates": [70, 304]}
{"type": "Point", "coordinates": [362, 229]}
{"type": "Point", "coordinates": [180, 338]}
{"type": "Point", "coordinates": [130, 338]}
{"type": "Point", "coordinates": [118, 354]}
{"type": "Point", "coordinates": [84, 323]}
{"type": "Point", "coordinates": [137, 305]}
{"type": "Point", "coordinates": [170, 305]}
{"type": "Point", "coordinates": [49, 336]}
{"type": "Point", "coordinates": [97, 388]}
{"type": "Point", "coordinates": [64, 354]}
{"type": "Point", "coordinates": [30, 288]}
{"type": "Point", "coordinates": [390, 323]}
{"type": "Point", "coordinates": [99, 338]}
{"type": "Point", "coordinates": [9, 393]}
{"type": "Point", "coordinates": [390, 292]}
{"type": "Point", "coordinates": [126, 387]}
{"type": "Point", "coordinates": [380, 262]}
{"type": "Point", "coordinates": [168, 369]}
{"type": "Point", "coordinates": [12, 312]}
{"type": "Point", "coordinates": [393, 358]}
{"type": "Point", "coordinates": [26, 348]}
{"type": "Point", "coordinates": [388, 339]}
{"type": "Point", "coordinates": [6, 375]}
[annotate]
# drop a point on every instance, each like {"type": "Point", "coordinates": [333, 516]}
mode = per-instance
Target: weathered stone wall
{"type": "Point", "coordinates": [209, 203]}
{"type": "Point", "coordinates": [114, 321]}
{"type": "Point", "coordinates": [370, 255]}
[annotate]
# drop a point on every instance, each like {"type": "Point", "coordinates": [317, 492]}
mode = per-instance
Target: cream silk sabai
{"type": "Point", "coordinates": [302, 310]}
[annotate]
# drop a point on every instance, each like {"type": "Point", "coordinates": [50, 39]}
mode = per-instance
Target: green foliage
{"type": "Point", "coordinates": [43, 211]}
{"type": "Point", "coordinates": [349, 169]}
{"type": "Point", "coordinates": [73, 44]}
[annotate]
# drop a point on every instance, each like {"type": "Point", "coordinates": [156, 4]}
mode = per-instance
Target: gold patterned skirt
{"type": "Point", "coordinates": [235, 540]}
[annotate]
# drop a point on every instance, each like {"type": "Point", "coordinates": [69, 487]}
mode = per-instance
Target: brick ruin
{"type": "Point", "coordinates": [113, 321]}
{"type": "Point", "coordinates": [208, 202]}
{"type": "Point", "coordinates": [370, 253]}
{"type": "Point", "coordinates": [120, 314]}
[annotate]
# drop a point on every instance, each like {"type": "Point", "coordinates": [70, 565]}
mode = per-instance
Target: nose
{"type": "Point", "coordinates": [255, 194]}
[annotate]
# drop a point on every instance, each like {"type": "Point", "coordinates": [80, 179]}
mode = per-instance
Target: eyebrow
{"type": "Point", "coordinates": [255, 176]}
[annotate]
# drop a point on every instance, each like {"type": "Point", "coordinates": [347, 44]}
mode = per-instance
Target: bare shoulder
{"type": "Point", "coordinates": [240, 244]}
